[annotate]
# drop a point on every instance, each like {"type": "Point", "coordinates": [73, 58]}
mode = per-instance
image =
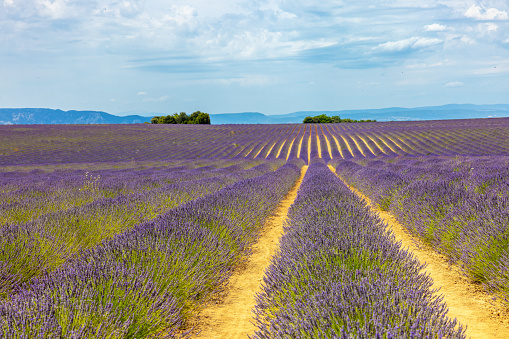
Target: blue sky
{"type": "Point", "coordinates": [270, 56]}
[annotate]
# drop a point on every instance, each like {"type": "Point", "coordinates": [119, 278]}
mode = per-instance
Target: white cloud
{"type": "Point", "coordinates": [481, 13]}
{"type": "Point", "coordinates": [58, 9]}
{"type": "Point", "coordinates": [425, 65]}
{"type": "Point", "coordinates": [481, 30]}
{"type": "Point", "coordinates": [467, 40]}
{"type": "Point", "coordinates": [410, 43]}
{"type": "Point", "coordinates": [160, 99]}
{"type": "Point", "coordinates": [181, 14]}
{"type": "Point", "coordinates": [454, 84]}
{"type": "Point", "coordinates": [491, 27]}
{"type": "Point", "coordinates": [120, 8]}
{"type": "Point", "coordinates": [399, 45]}
{"type": "Point", "coordinates": [426, 42]}
{"type": "Point", "coordinates": [435, 28]}
{"type": "Point", "coordinates": [170, 46]}
{"type": "Point", "coordinates": [256, 44]}
{"type": "Point", "coordinates": [247, 80]}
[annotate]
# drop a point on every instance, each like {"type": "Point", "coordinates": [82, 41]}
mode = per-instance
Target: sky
{"type": "Point", "coordinates": [269, 56]}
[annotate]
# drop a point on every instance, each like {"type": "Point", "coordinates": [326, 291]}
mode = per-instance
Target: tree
{"type": "Point", "coordinates": [336, 119]}
{"type": "Point", "coordinates": [202, 118]}
{"type": "Point", "coordinates": [324, 119]}
{"type": "Point", "coordinates": [182, 118]}
{"type": "Point", "coordinates": [169, 119]}
{"type": "Point", "coordinates": [194, 115]}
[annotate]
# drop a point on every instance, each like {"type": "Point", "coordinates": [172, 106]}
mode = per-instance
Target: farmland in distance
{"type": "Point", "coordinates": [129, 231]}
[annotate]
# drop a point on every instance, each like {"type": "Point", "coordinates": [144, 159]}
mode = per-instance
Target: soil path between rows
{"type": "Point", "coordinates": [467, 302]}
{"type": "Point", "coordinates": [231, 317]}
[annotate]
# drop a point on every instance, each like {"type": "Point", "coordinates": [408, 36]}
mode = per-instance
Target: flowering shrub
{"type": "Point", "coordinates": [340, 274]}
{"type": "Point", "coordinates": [459, 205]}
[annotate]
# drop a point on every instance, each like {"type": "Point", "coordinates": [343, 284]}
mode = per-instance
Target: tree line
{"type": "Point", "coordinates": [182, 118]}
{"type": "Point", "coordinates": [324, 119]}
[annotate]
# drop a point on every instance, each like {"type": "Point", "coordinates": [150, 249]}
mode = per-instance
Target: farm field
{"type": "Point", "coordinates": [137, 231]}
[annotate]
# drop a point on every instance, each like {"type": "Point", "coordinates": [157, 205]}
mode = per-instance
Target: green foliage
{"type": "Point", "coordinates": [182, 118]}
{"type": "Point", "coordinates": [324, 119]}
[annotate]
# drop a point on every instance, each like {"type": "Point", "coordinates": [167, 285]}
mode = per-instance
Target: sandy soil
{"type": "Point", "coordinates": [230, 316]}
{"type": "Point", "coordinates": [347, 145]}
{"type": "Point", "coordinates": [357, 145]}
{"type": "Point", "coordinates": [467, 302]}
{"type": "Point", "coordinates": [338, 146]}
{"type": "Point", "coordinates": [328, 143]}
{"type": "Point", "coordinates": [319, 146]}
{"type": "Point", "coordinates": [309, 146]}
{"type": "Point", "coordinates": [260, 150]}
{"type": "Point", "coordinates": [280, 148]}
{"type": "Point", "coordinates": [270, 150]}
{"type": "Point", "coordinates": [300, 143]}
{"type": "Point", "coordinates": [290, 148]}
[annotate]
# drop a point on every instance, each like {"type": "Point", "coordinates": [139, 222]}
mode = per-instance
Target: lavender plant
{"type": "Point", "coordinates": [28, 250]}
{"type": "Point", "coordinates": [340, 274]}
{"type": "Point", "coordinates": [146, 281]}
{"type": "Point", "coordinates": [459, 205]}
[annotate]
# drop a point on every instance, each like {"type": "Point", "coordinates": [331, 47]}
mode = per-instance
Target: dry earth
{"type": "Point", "coordinates": [484, 317]}
{"type": "Point", "coordinates": [231, 315]}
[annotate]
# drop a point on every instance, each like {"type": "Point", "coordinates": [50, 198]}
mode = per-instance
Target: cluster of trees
{"type": "Point", "coordinates": [182, 118]}
{"type": "Point", "coordinates": [324, 119]}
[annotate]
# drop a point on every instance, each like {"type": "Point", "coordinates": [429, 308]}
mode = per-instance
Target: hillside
{"type": "Point", "coordinates": [30, 116]}
{"type": "Point", "coordinates": [453, 111]}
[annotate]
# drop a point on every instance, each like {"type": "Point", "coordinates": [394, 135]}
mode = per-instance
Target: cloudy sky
{"type": "Point", "coordinates": [270, 56]}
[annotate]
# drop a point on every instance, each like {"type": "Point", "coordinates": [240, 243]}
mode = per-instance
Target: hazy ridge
{"type": "Point", "coordinates": [30, 116]}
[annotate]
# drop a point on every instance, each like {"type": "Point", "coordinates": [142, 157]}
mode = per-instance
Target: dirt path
{"type": "Point", "coordinates": [319, 147]}
{"type": "Point", "coordinates": [290, 149]}
{"type": "Point", "coordinates": [328, 143]}
{"type": "Point", "coordinates": [338, 145]}
{"type": "Point", "coordinates": [260, 150]}
{"type": "Point", "coordinates": [309, 146]}
{"type": "Point", "coordinates": [280, 148]}
{"type": "Point", "coordinates": [270, 150]}
{"type": "Point", "coordinates": [300, 144]}
{"type": "Point", "coordinates": [231, 317]}
{"type": "Point", "coordinates": [347, 145]}
{"type": "Point", "coordinates": [467, 302]}
{"type": "Point", "coordinates": [357, 145]}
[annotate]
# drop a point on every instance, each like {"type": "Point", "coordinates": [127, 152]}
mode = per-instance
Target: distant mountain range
{"type": "Point", "coordinates": [9, 116]}
{"type": "Point", "coordinates": [31, 116]}
{"type": "Point", "coordinates": [453, 111]}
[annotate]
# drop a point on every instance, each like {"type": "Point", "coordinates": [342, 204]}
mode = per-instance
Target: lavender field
{"type": "Point", "coordinates": [128, 231]}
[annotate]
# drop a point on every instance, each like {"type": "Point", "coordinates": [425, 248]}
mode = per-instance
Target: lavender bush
{"type": "Point", "coordinates": [340, 274]}
{"type": "Point", "coordinates": [145, 282]}
{"type": "Point", "coordinates": [30, 249]}
{"type": "Point", "coordinates": [459, 205]}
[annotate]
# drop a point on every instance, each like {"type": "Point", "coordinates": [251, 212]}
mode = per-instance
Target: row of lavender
{"type": "Point", "coordinates": [156, 143]}
{"type": "Point", "coordinates": [340, 274]}
{"type": "Point", "coordinates": [123, 143]}
{"type": "Point", "coordinates": [29, 249]}
{"type": "Point", "coordinates": [146, 281]}
{"type": "Point", "coordinates": [26, 196]}
{"type": "Point", "coordinates": [459, 205]}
